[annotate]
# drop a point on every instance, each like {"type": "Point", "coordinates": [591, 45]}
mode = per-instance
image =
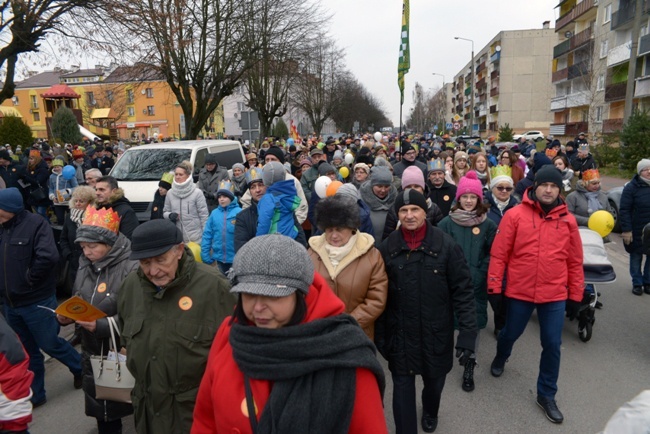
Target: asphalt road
{"type": "Point", "coordinates": [596, 377]}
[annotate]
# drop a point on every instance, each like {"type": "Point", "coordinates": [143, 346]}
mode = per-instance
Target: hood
{"type": "Point", "coordinates": [116, 195]}
{"type": "Point", "coordinates": [234, 204]}
{"type": "Point", "coordinates": [321, 300]}
{"type": "Point", "coordinates": [555, 212]}
{"type": "Point", "coordinates": [373, 202]}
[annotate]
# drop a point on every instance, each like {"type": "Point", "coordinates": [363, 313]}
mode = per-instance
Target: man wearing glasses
{"type": "Point", "coordinates": [91, 177]}
{"type": "Point", "coordinates": [409, 155]}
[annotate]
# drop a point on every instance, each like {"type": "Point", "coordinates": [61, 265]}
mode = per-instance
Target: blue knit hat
{"type": "Point", "coordinates": [11, 200]}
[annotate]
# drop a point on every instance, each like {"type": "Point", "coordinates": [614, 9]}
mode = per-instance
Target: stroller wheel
{"type": "Point", "coordinates": [584, 333]}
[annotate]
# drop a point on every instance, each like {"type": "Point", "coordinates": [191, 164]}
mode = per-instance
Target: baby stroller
{"type": "Point", "coordinates": [598, 270]}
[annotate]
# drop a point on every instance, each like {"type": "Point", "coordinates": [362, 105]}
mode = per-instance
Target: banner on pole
{"type": "Point", "coordinates": [404, 63]}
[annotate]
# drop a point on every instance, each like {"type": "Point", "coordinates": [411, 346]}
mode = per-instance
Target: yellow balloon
{"type": "Point", "coordinates": [344, 172]}
{"type": "Point", "coordinates": [196, 250]}
{"type": "Point", "coordinates": [601, 222]}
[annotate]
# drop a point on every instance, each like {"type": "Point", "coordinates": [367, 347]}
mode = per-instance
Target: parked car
{"type": "Point", "coordinates": [614, 198]}
{"type": "Point", "coordinates": [535, 136]}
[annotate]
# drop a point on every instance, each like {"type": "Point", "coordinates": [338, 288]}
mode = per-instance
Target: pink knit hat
{"type": "Point", "coordinates": [412, 175]}
{"type": "Point", "coordinates": [469, 184]}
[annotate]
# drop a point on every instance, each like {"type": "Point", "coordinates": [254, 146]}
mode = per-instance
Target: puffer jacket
{"type": "Point", "coordinates": [303, 208]}
{"type": "Point", "coordinates": [359, 280]}
{"type": "Point", "coordinates": [426, 288]}
{"type": "Point", "coordinates": [99, 284]}
{"type": "Point", "coordinates": [209, 183]}
{"type": "Point", "coordinates": [218, 242]}
{"type": "Point", "coordinates": [192, 213]}
{"type": "Point", "coordinates": [246, 227]}
{"type": "Point", "coordinates": [634, 212]}
{"type": "Point", "coordinates": [578, 204]}
{"type": "Point", "coordinates": [63, 186]}
{"type": "Point", "coordinates": [542, 253]}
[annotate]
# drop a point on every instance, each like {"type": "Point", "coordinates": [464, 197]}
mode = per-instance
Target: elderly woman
{"type": "Point", "coordinates": [290, 357]}
{"type": "Point", "coordinates": [361, 173]}
{"type": "Point", "coordinates": [379, 194]}
{"type": "Point", "coordinates": [587, 198]}
{"type": "Point", "coordinates": [239, 179]}
{"type": "Point", "coordinates": [185, 205]}
{"type": "Point", "coordinates": [102, 268]}
{"type": "Point", "coordinates": [500, 198]}
{"type": "Point", "coordinates": [348, 261]}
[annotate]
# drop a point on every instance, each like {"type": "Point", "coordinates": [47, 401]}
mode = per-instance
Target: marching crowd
{"type": "Point", "coordinates": [256, 297]}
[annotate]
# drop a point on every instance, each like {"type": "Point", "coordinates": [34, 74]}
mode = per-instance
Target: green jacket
{"type": "Point", "coordinates": [476, 242]}
{"type": "Point", "coordinates": [168, 335]}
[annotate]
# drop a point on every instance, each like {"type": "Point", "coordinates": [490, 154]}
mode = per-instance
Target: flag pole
{"type": "Point", "coordinates": [404, 62]}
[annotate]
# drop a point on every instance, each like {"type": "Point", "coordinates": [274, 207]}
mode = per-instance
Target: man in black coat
{"type": "Point", "coordinates": [583, 160]}
{"type": "Point", "coordinates": [109, 195]}
{"type": "Point", "coordinates": [409, 155]}
{"type": "Point", "coordinates": [441, 192]}
{"type": "Point", "coordinates": [429, 283]}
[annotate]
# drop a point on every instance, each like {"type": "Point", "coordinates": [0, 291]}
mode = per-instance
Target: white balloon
{"type": "Point", "coordinates": [377, 136]}
{"type": "Point", "coordinates": [349, 158]}
{"type": "Point", "coordinates": [320, 186]}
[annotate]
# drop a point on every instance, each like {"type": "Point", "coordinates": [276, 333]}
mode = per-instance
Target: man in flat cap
{"type": "Point", "coordinates": [170, 310]}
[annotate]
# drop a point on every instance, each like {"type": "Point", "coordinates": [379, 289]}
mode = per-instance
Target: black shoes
{"type": "Point", "coordinates": [39, 403]}
{"type": "Point", "coordinates": [550, 409]}
{"type": "Point", "coordinates": [429, 423]}
{"type": "Point", "coordinates": [468, 375]}
{"type": "Point", "coordinates": [78, 381]}
{"type": "Point", "coordinates": [497, 366]}
{"type": "Point", "coordinates": [646, 289]}
{"type": "Point", "coordinates": [637, 290]}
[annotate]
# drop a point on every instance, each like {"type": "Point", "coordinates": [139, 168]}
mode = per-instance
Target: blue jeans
{"type": "Point", "coordinates": [551, 322]}
{"type": "Point", "coordinates": [38, 329]}
{"type": "Point", "coordinates": [638, 278]}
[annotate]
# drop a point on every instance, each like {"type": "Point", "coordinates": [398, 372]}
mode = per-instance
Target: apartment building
{"type": "Point", "coordinates": [512, 85]}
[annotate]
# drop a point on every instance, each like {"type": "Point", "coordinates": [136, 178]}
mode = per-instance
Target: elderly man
{"type": "Point", "coordinates": [441, 191]}
{"type": "Point", "coordinates": [429, 284]}
{"type": "Point", "coordinates": [28, 255]}
{"type": "Point", "coordinates": [170, 310]}
{"type": "Point", "coordinates": [91, 176]}
{"type": "Point", "coordinates": [210, 178]}
{"type": "Point", "coordinates": [109, 195]}
{"type": "Point", "coordinates": [309, 177]}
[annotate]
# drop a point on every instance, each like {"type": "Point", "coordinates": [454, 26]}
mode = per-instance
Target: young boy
{"type": "Point", "coordinates": [276, 207]}
{"type": "Point", "coordinates": [218, 242]}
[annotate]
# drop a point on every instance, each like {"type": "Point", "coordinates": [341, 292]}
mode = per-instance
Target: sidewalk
{"type": "Point", "coordinates": [609, 182]}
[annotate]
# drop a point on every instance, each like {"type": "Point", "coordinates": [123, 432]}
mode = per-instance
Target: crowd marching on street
{"type": "Point", "coordinates": [260, 297]}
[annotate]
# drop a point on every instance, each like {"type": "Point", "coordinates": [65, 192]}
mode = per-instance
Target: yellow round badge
{"type": "Point", "coordinates": [476, 231]}
{"type": "Point", "coordinates": [155, 208]}
{"type": "Point", "coordinates": [101, 287]}
{"type": "Point", "coordinates": [185, 303]}
{"type": "Point", "coordinates": [445, 198]}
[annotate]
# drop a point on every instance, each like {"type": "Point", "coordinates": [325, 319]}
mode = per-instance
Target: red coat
{"type": "Point", "coordinates": [221, 401]}
{"type": "Point", "coordinates": [543, 255]}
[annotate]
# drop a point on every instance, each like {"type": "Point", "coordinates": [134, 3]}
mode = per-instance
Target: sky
{"type": "Point", "coordinates": [369, 31]}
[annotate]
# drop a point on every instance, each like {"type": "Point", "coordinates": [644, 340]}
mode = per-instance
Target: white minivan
{"type": "Point", "coordinates": [140, 168]}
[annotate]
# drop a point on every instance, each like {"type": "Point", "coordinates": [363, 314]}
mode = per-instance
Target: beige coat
{"type": "Point", "coordinates": [360, 279]}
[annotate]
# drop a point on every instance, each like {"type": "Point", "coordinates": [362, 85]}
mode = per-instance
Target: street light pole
{"type": "Point", "coordinates": [443, 78]}
{"type": "Point", "coordinates": [471, 86]}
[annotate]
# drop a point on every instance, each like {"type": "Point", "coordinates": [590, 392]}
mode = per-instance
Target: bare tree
{"type": "Point", "coordinates": [108, 96]}
{"type": "Point", "coordinates": [356, 104]}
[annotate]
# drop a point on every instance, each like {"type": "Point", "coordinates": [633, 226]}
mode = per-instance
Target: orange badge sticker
{"type": "Point", "coordinates": [244, 407]}
{"type": "Point", "coordinates": [185, 303]}
{"type": "Point", "coordinates": [445, 198]}
{"type": "Point", "coordinates": [476, 231]}
{"type": "Point", "coordinates": [101, 287]}
{"type": "Point", "coordinates": [155, 208]}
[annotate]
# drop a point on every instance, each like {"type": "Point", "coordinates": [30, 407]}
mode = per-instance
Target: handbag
{"type": "Point", "coordinates": [38, 194]}
{"type": "Point", "coordinates": [113, 381]}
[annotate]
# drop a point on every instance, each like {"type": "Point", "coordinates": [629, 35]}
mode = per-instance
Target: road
{"type": "Point", "coordinates": [595, 379]}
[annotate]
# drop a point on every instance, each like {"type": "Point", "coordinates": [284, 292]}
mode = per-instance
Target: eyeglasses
{"type": "Point", "coordinates": [501, 188]}
{"type": "Point", "coordinates": [594, 182]}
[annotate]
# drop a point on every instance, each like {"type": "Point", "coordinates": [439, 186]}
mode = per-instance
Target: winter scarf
{"type": "Point", "coordinates": [239, 183]}
{"type": "Point", "coordinates": [647, 181]}
{"type": "Point", "coordinates": [313, 370]}
{"type": "Point", "coordinates": [593, 204]}
{"type": "Point", "coordinates": [77, 215]}
{"type": "Point", "coordinates": [466, 218]}
{"type": "Point", "coordinates": [501, 205]}
{"type": "Point", "coordinates": [375, 203]}
{"type": "Point", "coordinates": [184, 189]}
{"type": "Point", "coordinates": [336, 254]}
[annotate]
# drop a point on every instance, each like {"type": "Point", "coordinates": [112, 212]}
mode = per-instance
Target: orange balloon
{"type": "Point", "coordinates": [331, 189]}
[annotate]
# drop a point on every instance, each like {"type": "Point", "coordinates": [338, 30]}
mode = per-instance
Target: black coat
{"type": "Point", "coordinates": [122, 206]}
{"type": "Point", "coordinates": [426, 287]}
{"type": "Point", "coordinates": [157, 206]}
{"type": "Point", "coordinates": [634, 212]}
{"type": "Point", "coordinates": [434, 215]}
{"type": "Point", "coordinates": [581, 164]}
{"type": "Point", "coordinates": [69, 249]}
{"type": "Point", "coordinates": [246, 227]}
{"type": "Point", "coordinates": [38, 177]}
{"type": "Point", "coordinates": [443, 196]}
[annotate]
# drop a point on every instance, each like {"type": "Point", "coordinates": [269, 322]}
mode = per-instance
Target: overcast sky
{"type": "Point", "coordinates": [369, 31]}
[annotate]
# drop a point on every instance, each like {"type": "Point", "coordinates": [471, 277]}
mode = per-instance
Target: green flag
{"type": "Point", "coordinates": [404, 56]}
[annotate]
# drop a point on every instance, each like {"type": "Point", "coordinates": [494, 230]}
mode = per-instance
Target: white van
{"type": "Point", "coordinates": [140, 168]}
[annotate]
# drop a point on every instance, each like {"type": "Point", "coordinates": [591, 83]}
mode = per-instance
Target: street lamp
{"type": "Point", "coordinates": [471, 86]}
{"type": "Point", "coordinates": [443, 78]}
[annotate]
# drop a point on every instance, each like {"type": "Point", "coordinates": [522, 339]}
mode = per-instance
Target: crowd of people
{"type": "Point", "coordinates": [256, 296]}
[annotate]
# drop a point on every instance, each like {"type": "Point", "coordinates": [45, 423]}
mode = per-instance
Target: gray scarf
{"type": "Point", "coordinates": [313, 370]}
{"type": "Point", "coordinates": [593, 204]}
{"type": "Point", "coordinates": [184, 189]}
{"type": "Point", "coordinates": [375, 203]}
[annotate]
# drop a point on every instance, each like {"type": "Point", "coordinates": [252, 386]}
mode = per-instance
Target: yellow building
{"type": "Point", "coordinates": [131, 104]}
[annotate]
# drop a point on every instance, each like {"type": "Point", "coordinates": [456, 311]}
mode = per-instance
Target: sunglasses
{"type": "Point", "coordinates": [504, 188]}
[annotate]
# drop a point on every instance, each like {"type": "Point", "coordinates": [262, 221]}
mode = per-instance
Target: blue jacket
{"type": "Point", "coordinates": [494, 213]}
{"type": "Point", "coordinates": [634, 212]}
{"type": "Point", "coordinates": [28, 260]}
{"type": "Point", "coordinates": [65, 186]}
{"type": "Point", "coordinates": [219, 234]}
{"type": "Point", "coordinates": [275, 210]}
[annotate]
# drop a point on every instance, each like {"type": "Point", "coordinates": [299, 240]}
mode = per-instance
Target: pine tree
{"type": "Point", "coordinates": [635, 140]}
{"type": "Point", "coordinates": [14, 131]}
{"type": "Point", "coordinates": [280, 129]}
{"type": "Point", "coordinates": [505, 133]}
{"type": "Point", "coordinates": [65, 127]}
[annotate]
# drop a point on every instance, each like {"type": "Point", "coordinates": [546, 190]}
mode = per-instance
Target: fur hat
{"type": "Point", "coordinates": [412, 176]}
{"type": "Point", "coordinates": [338, 211]}
{"type": "Point", "coordinates": [470, 184]}
{"type": "Point", "coordinates": [273, 172]}
{"type": "Point", "coordinates": [362, 166]}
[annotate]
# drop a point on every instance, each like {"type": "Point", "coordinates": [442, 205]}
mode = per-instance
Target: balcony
{"type": "Point", "coordinates": [618, 54]}
{"type": "Point", "coordinates": [494, 74]}
{"type": "Point", "coordinates": [467, 91]}
{"type": "Point", "coordinates": [561, 48]}
{"type": "Point", "coordinates": [467, 116]}
{"type": "Point", "coordinates": [615, 92]}
{"type": "Point", "coordinates": [578, 70]}
{"type": "Point", "coordinates": [481, 83]}
{"type": "Point", "coordinates": [494, 91]}
{"type": "Point", "coordinates": [612, 125]}
{"type": "Point", "coordinates": [581, 38]}
{"type": "Point", "coordinates": [557, 129]}
{"type": "Point", "coordinates": [495, 57]}
{"type": "Point", "coordinates": [577, 99]}
{"type": "Point", "coordinates": [494, 109]}
{"type": "Point", "coordinates": [644, 45]}
{"type": "Point", "coordinates": [558, 103]}
{"type": "Point", "coordinates": [574, 13]}
{"type": "Point", "coordinates": [574, 128]}
{"type": "Point", "coordinates": [623, 18]}
{"type": "Point", "coordinates": [481, 67]}
{"type": "Point", "coordinates": [560, 75]}
{"type": "Point", "coordinates": [642, 87]}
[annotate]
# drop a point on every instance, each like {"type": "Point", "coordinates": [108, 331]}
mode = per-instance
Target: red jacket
{"type": "Point", "coordinates": [221, 401]}
{"type": "Point", "coordinates": [542, 255]}
{"type": "Point", "coordinates": [15, 382]}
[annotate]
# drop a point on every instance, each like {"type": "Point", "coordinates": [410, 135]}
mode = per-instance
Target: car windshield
{"type": "Point", "coordinates": [148, 164]}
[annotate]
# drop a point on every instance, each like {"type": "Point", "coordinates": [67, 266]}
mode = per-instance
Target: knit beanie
{"type": "Point", "coordinates": [306, 162]}
{"type": "Point", "coordinates": [238, 166]}
{"type": "Point", "coordinates": [211, 159]}
{"type": "Point", "coordinates": [348, 190]}
{"type": "Point", "coordinates": [501, 178]}
{"type": "Point", "coordinates": [643, 164]}
{"type": "Point", "coordinates": [363, 166]}
{"type": "Point", "coordinates": [412, 175]}
{"type": "Point", "coordinates": [459, 155]}
{"type": "Point", "coordinates": [470, 184]}
{"type": "Point", "coordinates": [273, 172]}
{"type": "Point", "coordinates": [11, 200]}
{"type": "Point", "coordinates": [381, 162]}
{"type": "Point", "coordinates": [548, 173]}
{"type": "Point", "coordinates": [338, 155]}
{"type": "Point", "coordinates": [276, 152]}
{"type": "Point", "coordinates": [325, 168]}
{"type": "Point", "coordinates": [381, 176]}
{"type": "Point", "coordinates": [410, 197]}
{"type": "Point", "coordinates": [540, 160]}
{"type": "Point", "coordinates": [4, 155]}
{"type": "Point", "coordinates": [225, 189]}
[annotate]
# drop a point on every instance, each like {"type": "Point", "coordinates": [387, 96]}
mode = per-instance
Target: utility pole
{"type": "Point", "coordinates": [471, 86]}
{"type": "Point", "coordinates": [634, 49]}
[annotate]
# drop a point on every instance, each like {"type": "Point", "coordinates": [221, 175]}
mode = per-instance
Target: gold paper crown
{"type": "Point", "coordinates": [591, 174]}
{"type": "Point", "coordinates": [551, 153]}
{"type": "Point", "coordinates": [500, 171]}
{"type": "Point", "coordinates": [103, 218]}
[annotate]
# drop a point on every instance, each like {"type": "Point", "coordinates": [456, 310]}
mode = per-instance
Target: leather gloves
{"type": "Point", "coordinates": [463, 355]}
{"type": "Point", "coordinates": [627, 237]}
{"type": "Point", "coordinates": [572, 309]}
{"type": "Point", "coordinates": [173, 217]}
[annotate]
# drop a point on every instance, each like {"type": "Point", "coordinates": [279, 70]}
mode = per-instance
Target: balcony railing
{"type": "Point", "coordinates": [467, 116]}
{"type": "Point", "coordinates": [581, 38]}
{"type": "Point", "coordinates": [495, 57]}
{"type": "Point", "coordinates": [578, 70]}
{"type": "Point", "coordinates": [493, 109]}
{"type": "Point", "coordinates": [481, 83]}
{"type": "Point", "coordinates": [574, 13]}
{"type": "Point", "coordinates": [494, 74]}
{"type": "Point", "coordinates": [561, 48]}
{"type": "Point", "coordinates": [622, 18]}
{"type": "Point", "coordinates": [480, 68]}
{"type": "Point", "coordinates": [494, 91]}
{"type": "Point", "coordinates": [575, 128]}
{"type": "Point", "coordinates": [577, 99]}
{"type": "Point", "coordinates": [467, 91]}
{"type": "Point", "coordinates": [642, 87]}
{"type": "Point", "coordinates": [618, 54]}
{"type": "Point", "coordinates": [562, 74]}
{"type": "Point", "coordinates": [644, 45]}
{"type": "Point", "coordinates": [615, 92]}
{"type": "Point", "coordinates": [558, 103]}
{"type": "Point", "coordinates": [612, 125]}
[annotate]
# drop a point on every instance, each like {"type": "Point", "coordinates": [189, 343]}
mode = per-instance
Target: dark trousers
{"type": "Point", "coordinates": [109, 427]}
{"type": "Point", "coordinates": [404, 408]}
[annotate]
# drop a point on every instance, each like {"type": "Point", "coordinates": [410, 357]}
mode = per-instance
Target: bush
{"type": "Point", "coordinates": [14, 131]}
{"type": "Point", "coordinates": [505, 133]}
{"type": "Point", "coordinates": [280, 130]}
{"type": "Point", "coordinates": [608, 152]}
{"type": "Point", "coordinates": [635, 140]}
{"type": "Point", "coordinates": [65, 126]}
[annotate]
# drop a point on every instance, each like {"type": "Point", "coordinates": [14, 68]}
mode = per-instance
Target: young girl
{"type": "Point", "coordinates": [568, 183]}
{"type": "Point", "coordinates": [468, 224]}
{"type": "Point", "coordinates": [459, 168]}
{"type": "Point", "coordinates": [480, 166]}
{"type": "Point", "coordinates": [60, 190]}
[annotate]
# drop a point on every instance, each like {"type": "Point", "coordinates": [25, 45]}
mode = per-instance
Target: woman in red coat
{"type": "Point", "coordinates": [290, 360]}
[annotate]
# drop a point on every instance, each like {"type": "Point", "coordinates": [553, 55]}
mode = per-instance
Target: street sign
{"type": "Point", "coordinates": [435, 128]}
{"type": "Point", "coordinates": [456, 117]}
{"type": "Point", "coordinates": [456, 126]}
{"type": "Point", "coordinates": [449, 126]}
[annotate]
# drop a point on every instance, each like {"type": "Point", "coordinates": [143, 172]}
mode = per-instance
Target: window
{"type": "Point", "coordinates": [151, 110]}
{"type": "Point", "coordinates": [604, 48]}
{"type": "Point", "coordinates": [33, 101]}
{"type": "Point", "coordinates": [149, 92]}
{"type": "Point", "coordinates": [37, 116]}
{"type": "Point", "coordinates": [90, 98]}
{"type": "Point", "coordinates": [129, 96]}
{"type": "Point", "coordinates": [131, 111]}
{"type": "Point", "coordinates": [109, 95]}
{"type": "Point", "coordinates": [600, 84]}
{"type": "Point", "coordinates": [15, 100]}
{"type": "Point", "coordinates": [608, 14]}
{"type": "Point", "coordinates": [599, 114]}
